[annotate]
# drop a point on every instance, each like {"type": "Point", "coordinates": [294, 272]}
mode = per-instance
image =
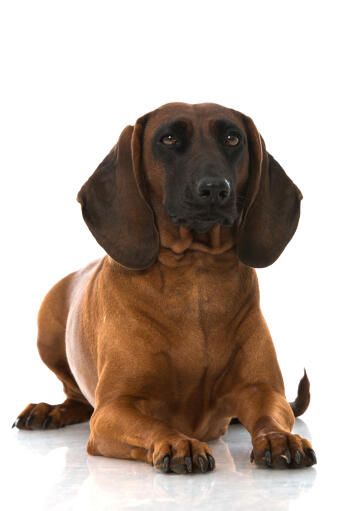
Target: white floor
{"type": "Point", "coordinates": [51, 471]}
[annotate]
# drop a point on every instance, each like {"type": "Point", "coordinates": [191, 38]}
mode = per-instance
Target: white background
{"type": "Point", "coordinates": [75, 73]}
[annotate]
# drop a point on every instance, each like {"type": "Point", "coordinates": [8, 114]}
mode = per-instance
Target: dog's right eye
{"type": "Point", "coordinates": [168, 140]}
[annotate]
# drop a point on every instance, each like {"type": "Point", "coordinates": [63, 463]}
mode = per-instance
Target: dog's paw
{"type": "Point", "coordinates": [183, 456]}
{"type": "Point", "coordinates": [45, 416]}
{"type": "Point", "coordinates": [35, 416]}
{"type": "Point", "coordinates": [282, 450]}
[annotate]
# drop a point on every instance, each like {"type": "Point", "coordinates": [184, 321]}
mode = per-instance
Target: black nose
{"type": "Point", "coordinates": [214, 190]}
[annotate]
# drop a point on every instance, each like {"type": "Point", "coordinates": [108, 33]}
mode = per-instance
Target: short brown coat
{"type": "Point", "coordinates": [164, 336]}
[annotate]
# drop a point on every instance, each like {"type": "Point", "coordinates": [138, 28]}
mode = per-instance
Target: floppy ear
{"type": "Point", "coordinates": [114, 207]}
{"type": "Point", "coordinates": [272, 206]}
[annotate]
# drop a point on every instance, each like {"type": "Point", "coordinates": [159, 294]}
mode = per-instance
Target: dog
{"type": "Point", "coordinates": [162, 342]}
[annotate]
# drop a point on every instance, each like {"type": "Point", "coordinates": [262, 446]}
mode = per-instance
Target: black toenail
{"type": "Point", "coordinates": [211, 461]}
{"type": "Point", "coordinates": [46, 422]}
{"type": "Point", "coordinates": [166, 461]}
{"type": "Point", "coordinates": [311, 453]}
{"type": "Point", "coordinates": [202, 464]}
{"type": "Point", "coordinates": [29, 420]}
{"type": "Point", "coordinates": [267, 455]}
{"type": "Point", "coordinates": [188, 462]}
{"type": "Point", "coordinates": [287, 456]}
{"type": "Point", "coordinates": [298, 457]}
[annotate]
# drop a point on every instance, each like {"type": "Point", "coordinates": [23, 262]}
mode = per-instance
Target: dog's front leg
{"type": "Point", "coordinates": [268, 417]}
{"type": "Point", "coordinates": [120, 430]}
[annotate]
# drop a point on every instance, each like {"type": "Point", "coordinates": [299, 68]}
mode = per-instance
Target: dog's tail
{"type": "Point", "coordinates": [302, 400]}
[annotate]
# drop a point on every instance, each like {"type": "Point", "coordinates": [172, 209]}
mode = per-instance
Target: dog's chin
{"type": "Point", "coordinates": [201, 225]}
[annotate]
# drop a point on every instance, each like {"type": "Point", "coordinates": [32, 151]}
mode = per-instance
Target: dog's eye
{"type": "Point", "coordinates": [232, 140]}
{"type": "Point", "coordinates": [168, 140]}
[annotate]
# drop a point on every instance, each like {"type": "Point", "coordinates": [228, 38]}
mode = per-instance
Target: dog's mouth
{"type": "Point", "coordinates": [201, 224]}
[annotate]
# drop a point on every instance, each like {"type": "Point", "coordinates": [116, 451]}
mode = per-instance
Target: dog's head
{"type": "Point", "coordinates": [198, 165]}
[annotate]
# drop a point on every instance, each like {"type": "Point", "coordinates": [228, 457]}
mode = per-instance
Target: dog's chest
{"type": "Point", "coordinates": [192, 343]}
{"type": "Point", "coordinates": [177, 328]}
{"type": "Point", "coordinates": [189, 314]}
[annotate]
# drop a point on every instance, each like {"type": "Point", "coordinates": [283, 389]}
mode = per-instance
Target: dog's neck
{"type": "Point", "coordinates": [177, 241]}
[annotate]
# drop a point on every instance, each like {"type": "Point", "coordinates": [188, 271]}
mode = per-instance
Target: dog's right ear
{"type": "Point", "coordinates": [114, 208]}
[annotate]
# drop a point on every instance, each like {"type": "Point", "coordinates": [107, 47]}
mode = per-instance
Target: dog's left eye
{"type": "Point", "coordinates": [168, 140]}
{"type": "Point", "coordinates": [232, 140]}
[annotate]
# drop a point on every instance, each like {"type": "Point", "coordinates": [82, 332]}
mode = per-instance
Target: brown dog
{"type": "Point", "coordinates": [162, 341]}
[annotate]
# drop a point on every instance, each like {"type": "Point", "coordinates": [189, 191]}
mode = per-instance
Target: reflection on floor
{"type": "Point", "coordinates": [53, 472]}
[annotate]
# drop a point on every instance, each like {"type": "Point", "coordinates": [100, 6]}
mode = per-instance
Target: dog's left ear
{"type": "Point", "coordinates": [272, 208]}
